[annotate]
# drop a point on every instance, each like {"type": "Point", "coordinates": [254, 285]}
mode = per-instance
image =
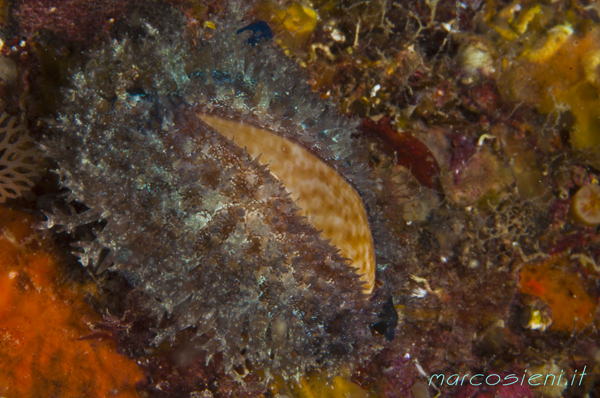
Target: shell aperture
{"type": "Point", "coordinates": [324, 197]}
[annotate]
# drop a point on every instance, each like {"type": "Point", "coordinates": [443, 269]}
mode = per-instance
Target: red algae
{"type": "Point", "coordinates": [44, 350]}
{"type": "Point", "coordinates": [408, 150]}
{"type": "Point", "coordinates": [563, 290]}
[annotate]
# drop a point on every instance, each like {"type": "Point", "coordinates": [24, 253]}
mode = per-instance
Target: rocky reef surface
{"type": "Point", "coordinates": [467, 130]}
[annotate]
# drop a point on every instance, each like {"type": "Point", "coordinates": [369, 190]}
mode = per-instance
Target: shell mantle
{"type": "Point", "coordinates": [193, 220]}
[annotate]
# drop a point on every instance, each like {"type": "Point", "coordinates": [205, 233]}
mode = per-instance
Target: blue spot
{"type": "Point", "coordinates": [220, 77]}
{"type": "Point", "coordinates": [260, 30]}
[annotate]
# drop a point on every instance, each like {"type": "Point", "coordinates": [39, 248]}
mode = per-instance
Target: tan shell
{"type": "Point", "coordinates": [330, 202]}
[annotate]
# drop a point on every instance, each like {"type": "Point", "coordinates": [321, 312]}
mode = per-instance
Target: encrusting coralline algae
{"type": "Point", "coordinates": [191, 219]}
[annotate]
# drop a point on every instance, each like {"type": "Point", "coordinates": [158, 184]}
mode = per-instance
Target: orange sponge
{"type": "Point", "coordinates": [563, 290]}
{"type": "Point", "coordinates": [43, 347]}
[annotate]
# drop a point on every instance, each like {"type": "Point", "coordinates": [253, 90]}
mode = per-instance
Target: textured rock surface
{"type": "Point", "coordinates": [191, 219]}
